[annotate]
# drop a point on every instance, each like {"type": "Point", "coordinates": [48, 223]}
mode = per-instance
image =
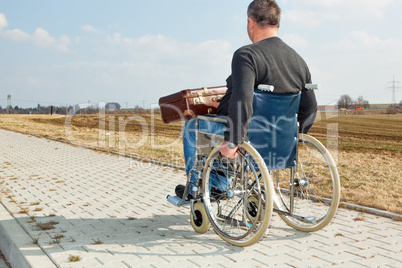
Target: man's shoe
{"type": "Point", "coordinates": [180, 191]}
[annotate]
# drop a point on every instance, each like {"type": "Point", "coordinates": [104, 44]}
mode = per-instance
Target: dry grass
{"type": "Point", "coordinates": [74, 258]}
{"type": "Point", "coordinates": [368, 150]}
{"type": "Point", "coordinates": [130, 134]}
{"type": "Point", "coordinates": [369, 156]}
{"type": "Point", "coordinates": [47, 225]}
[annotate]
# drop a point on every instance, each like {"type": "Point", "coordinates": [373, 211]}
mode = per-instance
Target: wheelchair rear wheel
{"type": "Point", "coordinates": [238, 195]}
{"type": "Point", "coordinates": [315, 196]}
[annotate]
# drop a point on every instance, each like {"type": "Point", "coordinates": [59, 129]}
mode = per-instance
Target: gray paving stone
{"type": "Point", "coordinates": [112, 212]}
{"type": "Point", "coordinates": [2, 264]}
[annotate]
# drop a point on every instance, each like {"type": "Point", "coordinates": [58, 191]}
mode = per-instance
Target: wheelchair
{"type": "Point", "coordinates": [277, 170]}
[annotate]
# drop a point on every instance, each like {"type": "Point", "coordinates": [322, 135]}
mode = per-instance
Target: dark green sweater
{"type": "Point", "coordinates": [270, 62]}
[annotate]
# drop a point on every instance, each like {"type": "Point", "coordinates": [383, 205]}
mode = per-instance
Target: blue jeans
{"type": "Point", "coordinates": [189, 144]}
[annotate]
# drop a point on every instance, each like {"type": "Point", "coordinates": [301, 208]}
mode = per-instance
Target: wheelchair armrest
{"type": "Point", "coordinates": [217, 119]}
{"type": "Point", "coordinates": [312, 86]}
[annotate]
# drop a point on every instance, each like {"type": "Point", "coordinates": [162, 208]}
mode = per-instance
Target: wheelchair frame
{"type": "Point", "coordinates": [306, 199]}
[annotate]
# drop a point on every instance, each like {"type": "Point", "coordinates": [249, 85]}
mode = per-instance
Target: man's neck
{"type": "Point", "coordinates": [265, 33]}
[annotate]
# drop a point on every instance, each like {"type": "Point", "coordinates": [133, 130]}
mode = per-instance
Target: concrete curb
{"type": "Point", "coordinates": [373, 211]}
{"type": "Point", "coordinates": [17, 245]}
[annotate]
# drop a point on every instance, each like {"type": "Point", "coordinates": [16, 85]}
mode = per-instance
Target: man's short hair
{"type": "Point", "coordinates": [265, 13]}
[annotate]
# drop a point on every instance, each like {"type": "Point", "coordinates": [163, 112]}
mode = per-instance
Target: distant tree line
{"type": "Point", "coordinates": [39, 109]}
{"type": "Point", "coordinates": [111, 107]}
{"type": "Point", "coordinates": [345, 101]}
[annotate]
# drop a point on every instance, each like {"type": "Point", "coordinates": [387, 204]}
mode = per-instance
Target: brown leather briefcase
{"type": "Point", "coordinates": [188, 103]}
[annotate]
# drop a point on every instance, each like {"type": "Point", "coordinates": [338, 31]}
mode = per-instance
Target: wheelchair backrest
{"type": "Point", "coordinates": [273, 128]}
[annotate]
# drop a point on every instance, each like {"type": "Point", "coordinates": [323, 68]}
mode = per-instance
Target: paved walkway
{"type": "Point", "coordinates": [111, 211]}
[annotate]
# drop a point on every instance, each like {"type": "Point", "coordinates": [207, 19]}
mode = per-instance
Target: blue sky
{"type": "Point", "coordinates": [133, 52]}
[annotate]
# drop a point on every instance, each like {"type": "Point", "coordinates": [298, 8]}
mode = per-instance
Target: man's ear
{"type": "Point", "coordinates": [251, 28]}
{"type": "Point", "coordinates": [251, 23]}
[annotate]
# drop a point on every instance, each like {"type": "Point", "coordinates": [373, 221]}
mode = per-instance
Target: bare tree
{"type": "Point", "coordinates": [113, 106]}
{"type": "Point", "coordinates": [345, 101]}
{"type": "Point", "coordinates": [362, 102]}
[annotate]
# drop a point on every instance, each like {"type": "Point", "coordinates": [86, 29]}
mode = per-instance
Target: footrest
{"type": "Point", "coordinates": [177, 201]}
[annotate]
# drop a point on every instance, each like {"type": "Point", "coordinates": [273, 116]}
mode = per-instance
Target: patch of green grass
{"type": "Point", "coordinates": [74, 258]}
{"type": "Point", "coordinates": [359, 218]}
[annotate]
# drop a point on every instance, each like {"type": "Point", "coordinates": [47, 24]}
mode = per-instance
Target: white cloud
{"type": "Point", "coordinates": [311, 13]}
{"type": "Point", "coordinates": [303, 18]}
{"type": "Point", "coordinates": [295, 40]}
{"type": "Point", "coordinates": [364, 42]}
{"type": "Point", "coordinates": [365, 4]}
{"type": "Point", "coordinates": [40, 37]}
{"type": "Point", "coordinates": [89, 29]}
{"type": "Point", "coordinates": [39, 82]}
{"type": "Point", "coordinates": [167, 50]}
{"type": "Point", "coordinates": [359, 63]}
{"type": "Point", "coordinates": [63, 42]}
{"type": "Point", "coordinates": [3, 21]}
{"type": "Point", "coordinates": [117, 39]}
{"type": "Point", "coordinates": [144, 68]}
{"type": "Point", "coordinates": [17, 35]}
{"type": "Point", "coordinates": [43, 39]}
{"type": "Point", "coordinates": [360, 50]}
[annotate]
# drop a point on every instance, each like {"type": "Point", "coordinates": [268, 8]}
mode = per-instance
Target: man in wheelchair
{"type": "Point", "coordinates": [269, 61]}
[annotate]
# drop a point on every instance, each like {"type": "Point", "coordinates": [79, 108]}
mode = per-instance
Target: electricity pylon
{"type": "Point", "coordinates": [394, 87]}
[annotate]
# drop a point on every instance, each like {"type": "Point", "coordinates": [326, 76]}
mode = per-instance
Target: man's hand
{"type": "Point", "coordinates": [227, 152]}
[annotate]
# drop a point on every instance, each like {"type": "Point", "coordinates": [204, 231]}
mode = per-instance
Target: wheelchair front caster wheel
{"type": "Point", "coordinates": [201, 224]}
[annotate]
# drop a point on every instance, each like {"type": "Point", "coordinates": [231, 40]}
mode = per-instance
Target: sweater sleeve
{"type": "Point", "coordinates": [308, 106]}
{"type": "Point", "coordinates": [240, 107]}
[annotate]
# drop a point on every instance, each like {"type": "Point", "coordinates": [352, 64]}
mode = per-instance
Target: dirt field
{"type": "Point", "coordinates": [368, 149]}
